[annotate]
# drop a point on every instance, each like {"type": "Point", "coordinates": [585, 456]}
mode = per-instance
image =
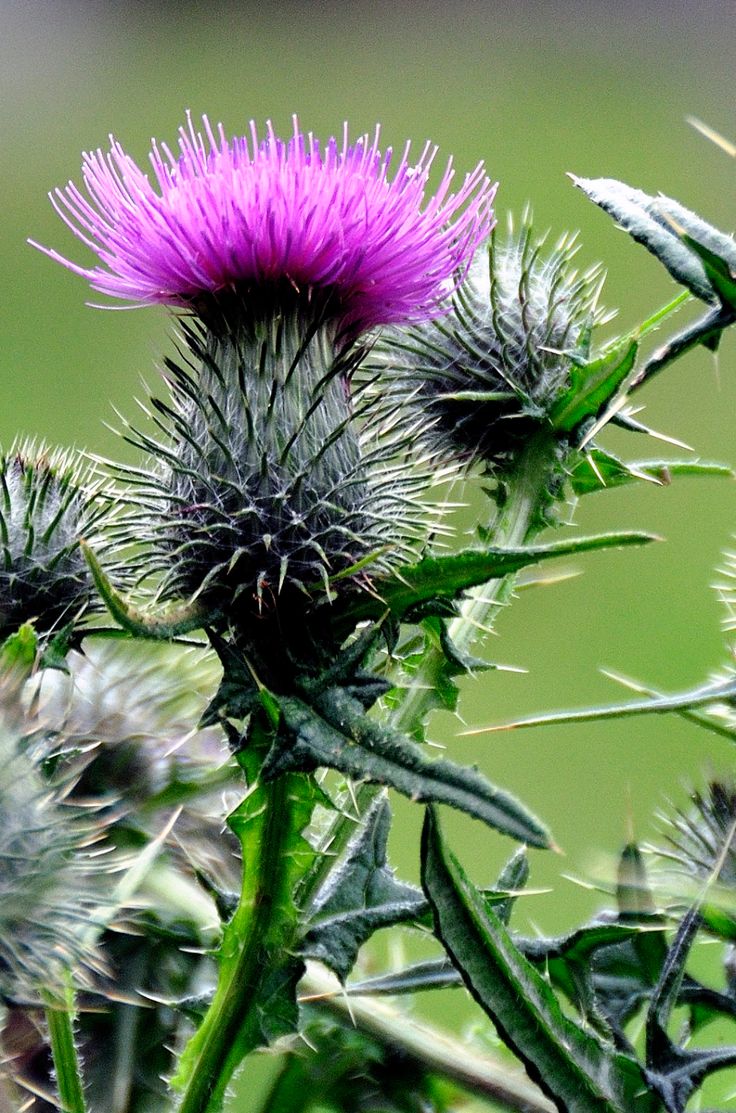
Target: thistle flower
{"type": "Point", "coordinates": [257, 217]}
{"type": "Point", "coordinates": [47, 503]}
{"type": "Point", "coordinates": [46, 895]}
{"type": "Point", "coordinates": [478, 382]}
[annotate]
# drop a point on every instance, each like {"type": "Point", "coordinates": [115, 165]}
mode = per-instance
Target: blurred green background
{"type": "Point", "coordinates": [535, 89]}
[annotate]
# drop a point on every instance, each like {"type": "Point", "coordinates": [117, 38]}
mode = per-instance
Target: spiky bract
{"type": "Point", "coordinates": [702, 839]}
{"type": "Point", "coordinates": [47, 503]}
{"type": "Point", "coordinates": [478, 382]}
{"type": "Point", "coordinates": [263, 488]}
{"type": "Point", "coordinates": [47, 900]}
{"type": "Point", "coordinates": [249, 214]}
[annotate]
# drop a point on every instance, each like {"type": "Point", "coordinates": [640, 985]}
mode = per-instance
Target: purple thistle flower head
{"type": "Point", "coordinates": [252, 218]}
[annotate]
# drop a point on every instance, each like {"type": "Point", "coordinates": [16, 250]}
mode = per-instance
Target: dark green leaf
{"type": "Point", "coordinates": [667, 990]}
{"type": "Point", "coordinates": [338, 735]}
{"type": "Point", "coordinates": [706, 332]}
{"type": "Point", "coordinates": [433, 974]}
{"type": "Point", "coordinates": [361, 895]}
{"type": "Point", "coordinates": [576, 1070]}
{"type": "Point", "coordinates": [565, 961]}
{"type": "Point", "coordinates": [512, 879]}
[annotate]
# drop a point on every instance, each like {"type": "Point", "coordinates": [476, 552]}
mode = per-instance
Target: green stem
{"type": "Point", "coordinates": [221, 1041]}
{"type": "Point", "coordinates": [60, 1014]}
{"type": "Point", "coordinates": [515, 524]}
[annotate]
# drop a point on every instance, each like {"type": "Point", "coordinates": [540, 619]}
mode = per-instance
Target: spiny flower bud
{"type": "Point", "coordinates": [125, 718]}
{"type": "Point", "coordinates": [252, 214]}
{"type": "Point", "coordinates": [701, 841]}
{"type": "Point", "coordinates": [478, 382]}
{"type": "Point", "coordinates": [46, 894]}
{"type": "Point", "coordinates": [264, 485]}
{"type": "Point", "coordinates": [47, 503]}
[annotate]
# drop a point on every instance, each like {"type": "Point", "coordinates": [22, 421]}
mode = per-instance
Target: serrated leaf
{"type": "Point", "coordinates": [577, 1071]}
{"type": "Point", "coordinates": [441, 580]}
{"type": "Point", "coordinates": [361, 895]}
{"type": "Point", "coordinates": [658, 224]}
{"type": "Point", "coordinates": [338, 735]}
{"type": "Point", "coordinates": [594, 384]}
{"type": "Point", "coordinates": [599, 470]}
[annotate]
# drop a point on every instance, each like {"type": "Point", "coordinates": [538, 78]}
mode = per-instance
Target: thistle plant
{"type": "Point", "coordinates": [287, 604]}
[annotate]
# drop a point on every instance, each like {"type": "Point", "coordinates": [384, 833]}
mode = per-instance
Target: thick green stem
{"type": "Point", "coordinates": [60, 1020]}
{"type": "Point", "coordinates": [517, 521]}
{"type": "Point", "coordinates": [220, 1043]}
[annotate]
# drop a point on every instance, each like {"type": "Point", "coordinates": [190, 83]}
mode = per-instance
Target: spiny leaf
{"type": "Point", "coordinates": [437, 580]}
{"type": "Point", "coordinates": [578, 1072]}
{"type": "Point", "coordinates": [561, 960]}
{"type": "Point", "coordinates": [704, 696]}
{"type": "Point", "coordinates": [360, 896]}
{"type": "Point", "coordinates": [674, 1071]}
{"type": "Point", "coordinates": [599, 470]}
{"type": "Point", "coordinates": [706, 331]}
{"type": "Point", "coordinates": [338, 735]}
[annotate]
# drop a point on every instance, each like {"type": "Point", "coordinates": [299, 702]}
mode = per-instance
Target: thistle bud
{"type": "Point", "coordinates": [47, 896]}
{"type": "Point", "coordinates": [478, 382]}
{"type": "Point", "coordinates": [266, 485]}
{"type": "Point", "coordinates": [125, 716]}
{"type": "Point", "coordinates": [700, 839]}
{"type": "Point", "coordinates": [47, 503]}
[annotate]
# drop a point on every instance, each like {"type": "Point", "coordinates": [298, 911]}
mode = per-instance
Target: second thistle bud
{"type": "Point", "coordinates": [481, 380]}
